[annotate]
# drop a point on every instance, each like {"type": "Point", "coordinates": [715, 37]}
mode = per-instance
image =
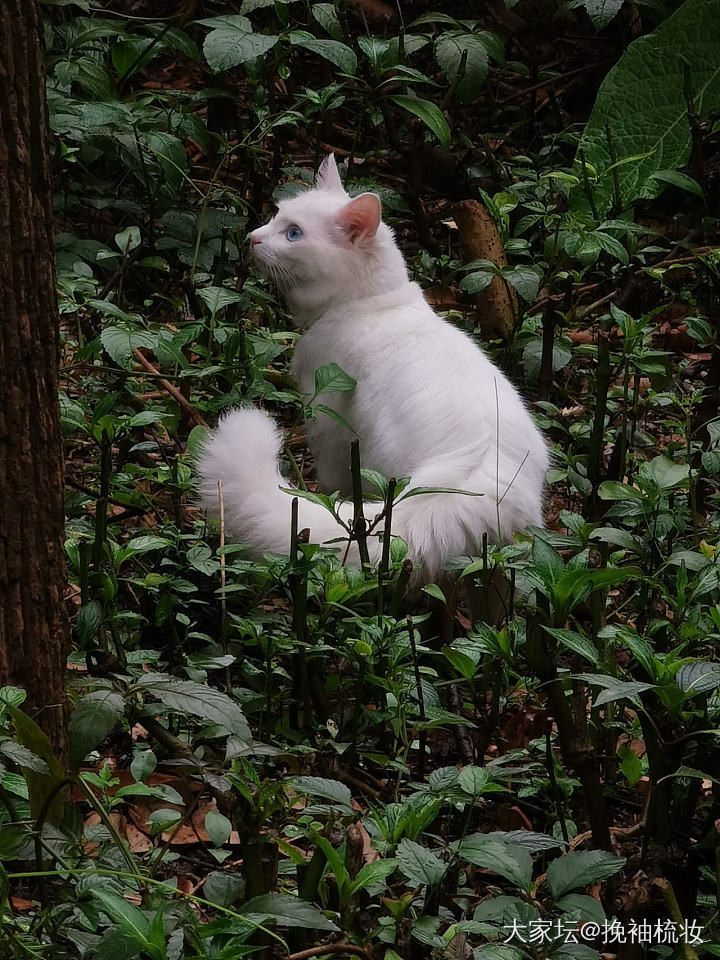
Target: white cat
{"type": "Point", "coordinates": [428, 403]}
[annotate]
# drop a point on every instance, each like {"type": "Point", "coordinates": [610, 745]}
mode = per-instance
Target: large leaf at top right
{"type": "Point", "coordinates": [642, 101]}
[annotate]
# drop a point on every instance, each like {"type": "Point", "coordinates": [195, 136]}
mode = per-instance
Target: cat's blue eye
{"type": "Point", "coordinates": [293, 233]}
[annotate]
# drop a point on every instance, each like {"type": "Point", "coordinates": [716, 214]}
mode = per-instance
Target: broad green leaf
{"type": "Point", "coordinates": [664, 473]}
{"type": "Point", "coordinates": [575, 642]}
{"type": "Point", "coordinates": [474, 780]}
{"type": "Point", "coordinates": [681, 180]}
{"type": "Point", "coordinates": [601, 12]}
{"type": "Point", "coordinates": [614, 490]}
{"type": "Point", "coordinates": [588, 908]}
{"type": "Point", "coordinates": [331, 790]}
{"type": "Point", "coordinates": [198, 700]}
{"type": "Point", "coordinates": [526, 280]}
{"type": "Point", "coordinates": [614, 689]}
{"type": "Point", "coordinates": [430, 114]}
{"type": "Point", "coordinates": [547, 562]}
{"type": "Point", "coordinates": [286, 910]}
{"type": "Point", "coordinates": [120, 341]}
{"type": "Point", "coordinates": [230, 44]}
{"type": "Point", "coordinates": [419, 864]}
{"type": "Point", "coordinates": [223, 888]}
{"type": "Point", "coordinates": [643, 102]}
{"type": "Point", "coordinates": [218, 827]}
{"type": "Point", "coordinates": [128, 239]}
{"type": "Point", "coordinates": [535, 842]}
{"type": "Point", "coordinates": [373, 873]}
{"type": "Point", "coordinates": [580, 868]}
{"type": "Point", "coordinates": [217, 298]}
{"type": "Point", "coordinates": [40, 785]}
{"type": "Point", "coordinates": [462, 51]}
{"type": "Point", "coordinates": [477, 282]}
{"type": "Point", "coordinates": [339, 54]}
{"type": "Point", "coordinates": [326, 16]}
{"type": "Point", "coordinates": [332, 379]}
{"type": "Point", "coordinates": [508, 860]}
{"type": "Point", "coordinates": [92, 720]}
{"type": "Point", "coordinates": [88, 622]}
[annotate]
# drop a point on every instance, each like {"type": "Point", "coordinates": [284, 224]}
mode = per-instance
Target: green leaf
{"type": "Point", "coordinates": [217, 298]}
{"type": "Point", "coordinates": [40, 785]}
{"type": "Point", "coordinates": [526, 280]}
{"type": "Point", "coordinates": [665, 474]}
{"type": "Point", "coordinates": [580, 868]}
{"type": "Point", "coordinates": [681, 180]}
{"type": "Point", "coordinates": [331, 790]}
{"type": "Point", "coordinates": [339, 54]}
{"type": "Point", "coordinates": [233, 43]}
{"type": "Point", "coordinates": [419, 864]}
{"type": "Point", "coordinates": [450, 50]}
{"type": "Point", "coordinates": [223, 888]}
{"type": "Point", "coordinates": [643, 102]}
{"type": "Point", "coordinates": [430, 114]}
{"type": "Point", "coordinates": [547, 561]}
{"type": "Point", "coordinates": [119, 341]}
{"type": "Point", "coordinates": [614, 689]}
{"type": "Point", "coordinates": [287, 911]}
{"type": "Point", "coordinates": [576, 643]}
{"type": "Point", "coordinates": [508, 860]}
{"type": "Point", "coordinates": [88, 622]}
{"type": "Point", "coordinates": [601, 12]}
{"type": "Point", "coordinates": [197, 700]}
{"type": "Point", "coordinates": [614, 490]}
{"type": "Point", "coordinates": [128, 239]}
{"type": "Point", "coordinates": [218, 827]}
{"type": "Point", "coordinates": [588, 908]}
{"type": "Point", "coordinates": [332, 379]}
{"type": "Point", "coordinates": [433, 590]}
{"type": "Point", "coordinates": [372, 873]}
{"type": "Point", "coordinates": [477, 282]}
{"type": "Point", "coordinates": [474, 780]}
{"type": "Point", "coordinates": [92, 720]}
{"type": "Point", "coordinates": [326, 16]}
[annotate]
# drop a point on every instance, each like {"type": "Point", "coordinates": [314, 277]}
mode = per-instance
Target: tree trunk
{"type": "Point", "coordinates": [33, 623]}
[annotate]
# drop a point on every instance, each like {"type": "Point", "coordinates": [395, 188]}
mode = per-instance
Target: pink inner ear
{"type": "Point", "coordinates": [361, 218]}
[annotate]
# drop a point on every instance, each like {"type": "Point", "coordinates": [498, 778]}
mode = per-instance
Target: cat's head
{"type": "Point", "coordinates": [323, 246]}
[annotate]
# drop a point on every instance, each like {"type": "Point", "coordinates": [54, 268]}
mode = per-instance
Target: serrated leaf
{"type": "Point", "coordinates": [92, 720]}
{"type": "Point", "coordinates": [580, 868]}
{"type": "Point", "coordinates": [419, 864]}
{"type": "Point", "coordinates": [187, 696]}
{"type": "Point", "coordinates": [430, 114]}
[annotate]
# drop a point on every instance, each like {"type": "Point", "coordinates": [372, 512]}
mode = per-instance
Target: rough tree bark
{"type": "Point", "coordinates": [33, 624]}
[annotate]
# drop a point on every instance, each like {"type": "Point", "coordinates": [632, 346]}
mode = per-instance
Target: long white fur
{"type": "Point", "coordinates": [428, 403]}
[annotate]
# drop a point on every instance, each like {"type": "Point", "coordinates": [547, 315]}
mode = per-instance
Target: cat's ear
{"type": "Point", "coordinates": [360, 219]}
{"type": "Point", "coordinates": [328, 177]}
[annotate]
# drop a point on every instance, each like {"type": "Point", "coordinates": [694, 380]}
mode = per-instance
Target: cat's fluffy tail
{"type": "Point", "coordinates": [243, 453]}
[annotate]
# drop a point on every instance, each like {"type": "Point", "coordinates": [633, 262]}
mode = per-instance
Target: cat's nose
{"type": "Point", "coordinates": [253, 239]}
